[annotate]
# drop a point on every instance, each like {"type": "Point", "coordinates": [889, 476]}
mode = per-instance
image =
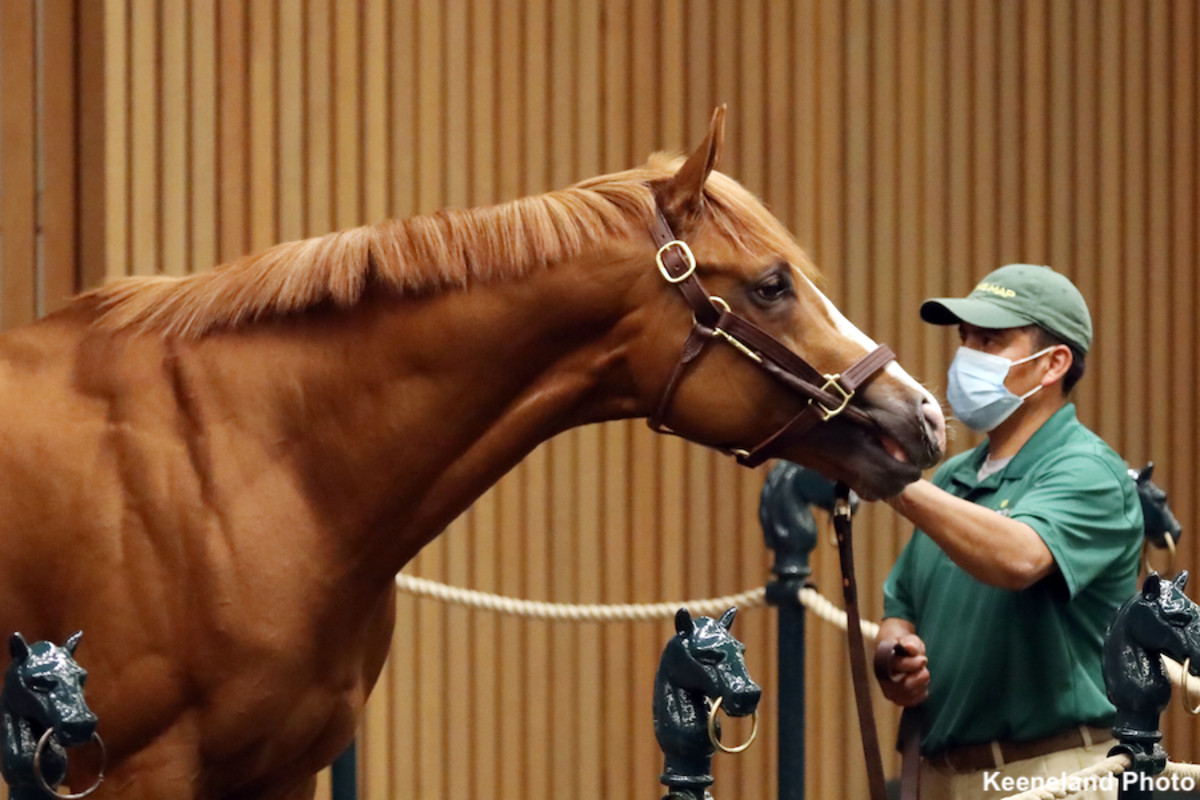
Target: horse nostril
{"type": "Point", "coordinates": [934, 427]}
{"type": "Point", "coordinates": [744, 702]}
{"type": "Point", "coordinates": [77, 732]}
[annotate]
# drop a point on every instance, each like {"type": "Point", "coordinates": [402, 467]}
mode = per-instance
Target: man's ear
{"type": "Point", "coordinates": [1061, 359]}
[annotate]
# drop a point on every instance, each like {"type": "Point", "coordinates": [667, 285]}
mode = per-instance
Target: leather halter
{"type": "Point", "coordinates": [828, 395]}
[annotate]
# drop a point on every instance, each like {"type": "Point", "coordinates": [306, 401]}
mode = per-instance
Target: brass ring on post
{"type": "Point", "coordinates": [712, 730]}
{"type": "Point", "coordinates": [37, 768]}
{"type": "Point", "coordinates": [1183, 690]}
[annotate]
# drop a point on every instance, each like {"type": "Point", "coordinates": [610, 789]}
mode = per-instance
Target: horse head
{"type": "Point", "coordinates": [701, 664]}
{"type": "Point", "coordinates": [1158, 620]}
{"type": "Point", "coordinates": [43, 712]}
{"type": "Point", "coordinates": [1160, 523]}
{"type": "Point", "coordinates": [44, 685]}
{"type": "Point", "coordinates": [1162, 619]}
{"type": "Point", "coordinates": [877, 436]}
{"type": "Point", "coordinates": [705, 659]}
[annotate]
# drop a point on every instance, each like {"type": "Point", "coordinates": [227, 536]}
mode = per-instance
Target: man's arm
{"type": "Point", "coordinates": [989, 546]}
{"type": "Point", "coordinates": [909, 682]}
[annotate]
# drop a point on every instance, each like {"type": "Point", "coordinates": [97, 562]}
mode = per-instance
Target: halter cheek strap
{"type": "Point", "coordinates": [828, 395]}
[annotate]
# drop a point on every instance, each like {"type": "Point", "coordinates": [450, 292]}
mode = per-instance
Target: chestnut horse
{"type": "Point", "coordinates": [217, 477]}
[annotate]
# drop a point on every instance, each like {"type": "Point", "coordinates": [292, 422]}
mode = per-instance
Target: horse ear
{"type": "Point", "coordinates": [17, 647]}
{"type": "Point", "coordinates": [1181, 581]}
{"type": "Point", "coordinates": [727, 617]}
{"type": "Point", "coordinates": [1152, 587]}
{"type": "Point", "coordinates": [685, 193]}
{"type": "Point", "coordinates": [1143, 476]}
{"type": "Point", "coordinates": [683, 622]}
{"type": "Point", "coordinates": [73, 642]}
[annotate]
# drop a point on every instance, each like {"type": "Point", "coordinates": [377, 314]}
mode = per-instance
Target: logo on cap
{"type": "Point", "coordinates": [992, 288]}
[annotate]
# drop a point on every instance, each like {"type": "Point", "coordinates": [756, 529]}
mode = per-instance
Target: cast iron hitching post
{"type": "Point", "coordinates": [790, 531]}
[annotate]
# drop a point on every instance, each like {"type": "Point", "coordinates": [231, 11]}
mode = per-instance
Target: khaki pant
{"type": "Point", "coordinates": [943, 784]}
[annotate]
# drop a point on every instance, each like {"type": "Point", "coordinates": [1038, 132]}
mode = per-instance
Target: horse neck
{"type": "Point", "coordinates": [1135, 678]}
{"type": "Point", "coordinates": [16, 734]}
{"type": "Point", "coordinates": [398, 413]}
{"type": "Point", "coordinates": [669, 695]}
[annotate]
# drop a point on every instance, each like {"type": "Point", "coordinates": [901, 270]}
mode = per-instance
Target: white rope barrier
{"type": "Point", "coordinates": [1175, 673]}
{"type": "Point", "coordinates": [809, 597]}
{"type": "Point", "coordinates": [1058, 790]}
{"type": "Point", "coordinates": [818, 604]}
{"type": "Point", "coordinates": [1183, 770]}
{"type": "Point", "coordinates": [638, 612]}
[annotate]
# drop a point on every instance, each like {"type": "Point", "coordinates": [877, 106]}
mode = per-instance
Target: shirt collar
{"type": "Point", "coordinates": [1043, 440]}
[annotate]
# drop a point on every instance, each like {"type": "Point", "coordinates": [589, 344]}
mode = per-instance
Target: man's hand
{"type": "Point", "coordinates": [906, 679]}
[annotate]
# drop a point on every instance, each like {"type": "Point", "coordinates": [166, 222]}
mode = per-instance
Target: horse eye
{"type": "Point", "coordinates": [773, 288]}
{"type": "Point", "coordinates": [41, 684]}
{"type": "Point", "coordinates": [710, 657]}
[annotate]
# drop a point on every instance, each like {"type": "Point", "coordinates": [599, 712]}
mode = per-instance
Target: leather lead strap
{"type": "Point", "coordinates": [910, 753]}
{"type": "Point", "coordinates": [843, 527]}
{"type": "Point", "coordinates": [908, 737]}
{"type": "Point", "coordinates": [697, 339]}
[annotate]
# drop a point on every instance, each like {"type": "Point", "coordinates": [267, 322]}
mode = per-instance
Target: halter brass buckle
{"type": "Point", "coordinates": [726, 335]}
{"type": "Point", "coordinates": [832, 382]}
{"type": "Point", "coordinates": [688, 257]}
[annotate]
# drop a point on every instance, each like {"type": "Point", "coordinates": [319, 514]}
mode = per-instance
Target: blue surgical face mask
{"type": "Point", "coordinates": [976, 391]}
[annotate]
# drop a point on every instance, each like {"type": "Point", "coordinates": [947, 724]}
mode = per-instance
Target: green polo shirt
{"type": "Point", "coordinates": [1020, 665]}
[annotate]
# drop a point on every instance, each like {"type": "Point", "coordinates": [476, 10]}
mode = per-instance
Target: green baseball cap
{"type": "Point", "coordinates": [1017, 295]}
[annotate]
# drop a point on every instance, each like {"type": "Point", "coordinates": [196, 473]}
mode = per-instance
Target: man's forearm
{"type": "Point", "coordinates": [990, 547]}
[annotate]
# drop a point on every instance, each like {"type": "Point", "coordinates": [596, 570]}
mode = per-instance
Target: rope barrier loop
{"type": "Point", "coordinates": [569, 612]}
{"type": "Point", "coordinates": [809, 597]}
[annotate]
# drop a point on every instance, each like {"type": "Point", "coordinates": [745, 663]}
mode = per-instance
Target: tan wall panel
{"type": "Point", "coordinates": [912, 145]}
{"type": "Point", "coordinates": [18, 168]}
{"type": "Point", "coordinates": [41, 226]}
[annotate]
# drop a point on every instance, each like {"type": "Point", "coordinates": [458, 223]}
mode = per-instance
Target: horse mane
{"type": "Point", "coordinates": [428, 253]}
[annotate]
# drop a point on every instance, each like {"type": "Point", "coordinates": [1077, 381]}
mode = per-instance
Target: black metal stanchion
{"type": "Point", "coordinates": [343, 776]}
{"type": "Point", "coordinates": [790, 531]}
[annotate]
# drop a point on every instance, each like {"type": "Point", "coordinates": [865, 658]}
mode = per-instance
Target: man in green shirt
{"type": "Point", "coordinates": [1024, 549]}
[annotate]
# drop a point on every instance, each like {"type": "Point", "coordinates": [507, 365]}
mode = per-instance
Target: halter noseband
{"type": "Point", "coordinates": [828, 395]}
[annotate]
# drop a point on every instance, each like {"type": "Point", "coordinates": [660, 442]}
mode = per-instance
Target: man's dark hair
{"type": "Point", "coordinates": [1078, 361]}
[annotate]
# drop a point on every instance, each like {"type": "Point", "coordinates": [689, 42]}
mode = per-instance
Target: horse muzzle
{"type": "Point", "coordinates": [76, 732]}
{"type": "Point", "coordinates": [742, 702]}
{"type": "Point", "coordinates": [914, 436]}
